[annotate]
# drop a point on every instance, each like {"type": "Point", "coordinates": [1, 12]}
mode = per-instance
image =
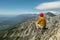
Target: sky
{"type": "Point", "coordinates": [16, 7]}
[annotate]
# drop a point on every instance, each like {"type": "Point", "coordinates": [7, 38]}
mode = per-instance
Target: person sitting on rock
{"type": "Point", "coordinates": [41, 22]}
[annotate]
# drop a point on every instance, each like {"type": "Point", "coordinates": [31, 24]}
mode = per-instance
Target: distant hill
{"type": "Point", "coordinates": [6, 22]}
{"type": "Point", "coordinates": [50, 14]}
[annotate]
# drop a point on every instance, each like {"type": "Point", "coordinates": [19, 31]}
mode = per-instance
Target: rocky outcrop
{"type": "Point", "coordinates": [27, 30]}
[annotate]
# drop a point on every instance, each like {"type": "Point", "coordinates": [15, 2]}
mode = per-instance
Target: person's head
{"type": "Point", "coordinates": [41, 14]}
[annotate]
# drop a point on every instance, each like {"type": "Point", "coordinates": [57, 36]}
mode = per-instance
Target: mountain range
{"type": "Point", "coordinates": [27, 30]}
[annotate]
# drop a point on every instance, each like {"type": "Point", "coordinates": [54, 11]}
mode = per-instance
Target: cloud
{"type": "Point", "coordinates": [49, 6]}
{"type": "Point", "coordinates": [8, 12]}
{"type": "Point", "coordinates": [29, 12]}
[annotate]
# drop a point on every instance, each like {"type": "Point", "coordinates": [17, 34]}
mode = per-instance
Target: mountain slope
{"type": "Point", "coordinates": [27, 30]}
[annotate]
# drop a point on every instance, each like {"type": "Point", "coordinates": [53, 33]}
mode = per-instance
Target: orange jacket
{"type": "Point", "coordinates": [41, 21]}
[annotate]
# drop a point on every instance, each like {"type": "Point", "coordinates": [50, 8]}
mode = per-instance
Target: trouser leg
{"type": "Point", "coordinates": [37, 26]}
